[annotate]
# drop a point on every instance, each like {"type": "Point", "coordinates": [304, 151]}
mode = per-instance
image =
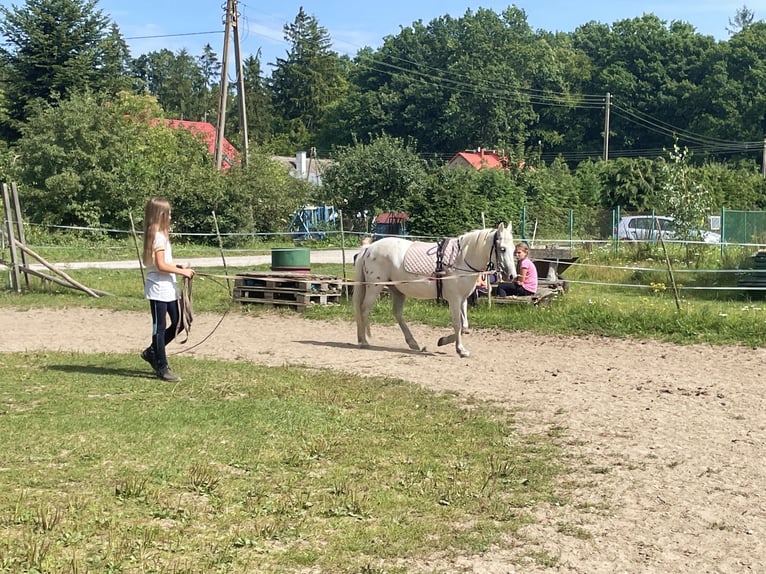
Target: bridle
{"type": "Point", "coordinates": [494, 251]}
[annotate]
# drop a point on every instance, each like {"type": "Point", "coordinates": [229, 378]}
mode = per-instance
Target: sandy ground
{"type": "Point", "coordinates": [666, 442]}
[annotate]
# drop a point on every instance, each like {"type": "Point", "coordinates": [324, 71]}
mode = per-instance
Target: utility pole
{"type": "Point", "coordinates": [230, 6]}
{"type": "Point", "coordinates": [240, 87]}
{"type": "Point", "coordinates": [606, 126]}
{"type": "Point", "coordinates": [231, 25]}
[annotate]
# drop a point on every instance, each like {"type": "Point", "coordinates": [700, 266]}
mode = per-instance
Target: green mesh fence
{"type": "Point", "coordinates": [743, 226]}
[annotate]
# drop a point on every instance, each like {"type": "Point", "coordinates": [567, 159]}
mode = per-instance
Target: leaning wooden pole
{"type": "Point", "coordinates": [57, 281]}
{"type": "Point", "coordinates": [223, 257]}
{"type": "Point", "coordinates": [670, 267]}
{"type": "Point", "coordinates": [51, 267]}
{"type": "Point", "coordinates": [138, 251]}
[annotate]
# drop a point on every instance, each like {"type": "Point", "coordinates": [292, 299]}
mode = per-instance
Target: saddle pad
{"type": "Point", "coordinates": [420, 258]}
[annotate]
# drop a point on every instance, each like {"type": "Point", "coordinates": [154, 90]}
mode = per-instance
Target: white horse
{"type": "Point", "coordinates": [409, 268]}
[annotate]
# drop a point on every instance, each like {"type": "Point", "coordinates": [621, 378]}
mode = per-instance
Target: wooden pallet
{"type": "Point", "coordinates": [296, 290]}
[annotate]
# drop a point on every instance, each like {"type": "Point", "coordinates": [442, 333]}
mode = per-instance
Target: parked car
{"type": "Point", "coordinates": [644, 228]}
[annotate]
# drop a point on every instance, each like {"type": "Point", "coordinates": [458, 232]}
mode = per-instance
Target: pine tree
{"type": "Point", "coordinates": [310, 78]}
{"type": "Point", "coordinates": [53, 48]}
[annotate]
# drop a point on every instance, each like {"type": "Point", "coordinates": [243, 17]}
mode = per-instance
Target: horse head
{"type": "Point", "coordinates": [502, 252]}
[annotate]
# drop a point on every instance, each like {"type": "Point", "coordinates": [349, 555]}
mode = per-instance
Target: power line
{"type": "Point", "coordinates": [173, 35]}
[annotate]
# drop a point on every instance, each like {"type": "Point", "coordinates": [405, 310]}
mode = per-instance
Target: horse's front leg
{"type": "Point", "coordinates": [398, 309]}
{"type": "Point", "coordinates": [456, 310]}
{"type": "Point", "coordinates": [464, 316]}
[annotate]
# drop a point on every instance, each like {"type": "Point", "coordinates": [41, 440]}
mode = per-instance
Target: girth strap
{"type": "Point", "coordinates": [439, 273]}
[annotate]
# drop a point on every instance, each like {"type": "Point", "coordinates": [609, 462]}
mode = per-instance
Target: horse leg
{"type": "Point", "coordinates": [464, 316]}
{"type": "Point", "coordinates": [363, 314]}
{"type": "Point", "coordinates": [456, 310]}
{"type": "Point", "coordinates": [398, 298]}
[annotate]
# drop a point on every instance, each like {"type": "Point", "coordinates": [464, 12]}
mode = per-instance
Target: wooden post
{"type": "Point", "coordinates": [343, 251]}
{"type": "Point", "coordinates": [20, 227]}
{"type": "Point", "coordinates": [15, 279]}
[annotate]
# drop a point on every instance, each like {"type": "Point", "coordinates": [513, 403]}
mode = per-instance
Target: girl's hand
{"type": "Point", "coordinates": [187, 272]}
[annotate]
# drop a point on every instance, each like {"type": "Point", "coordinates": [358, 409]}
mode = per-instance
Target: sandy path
{"type": "Point", "coordinates": [668, 442]}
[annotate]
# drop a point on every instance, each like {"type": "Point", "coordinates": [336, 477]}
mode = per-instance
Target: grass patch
{"type": "Point", "coordinates": [250, 468]}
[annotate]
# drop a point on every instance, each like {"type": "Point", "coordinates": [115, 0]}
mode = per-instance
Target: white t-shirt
{"type": "Point", "coordinates": [160, 286]}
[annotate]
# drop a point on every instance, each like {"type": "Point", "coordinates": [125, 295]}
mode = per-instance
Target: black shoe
{"type": "Point", "coordinates": [167, 375]}
{"type": "Point", "coordinates": [149, 356]}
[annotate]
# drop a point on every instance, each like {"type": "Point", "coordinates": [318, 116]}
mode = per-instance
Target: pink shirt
{"type": "Point", "coordinates": [530, 281]}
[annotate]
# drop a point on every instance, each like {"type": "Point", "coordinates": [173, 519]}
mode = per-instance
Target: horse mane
{"type": "Point", "coordinates": [475, 238]}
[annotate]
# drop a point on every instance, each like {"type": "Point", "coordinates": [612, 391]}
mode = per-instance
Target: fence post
{"type": "Point", "coordinates": [571, 228]}
{"type": "Point", "coordinates": [524, 222]}
{"type": "Point", "coordinates": [723, 229]}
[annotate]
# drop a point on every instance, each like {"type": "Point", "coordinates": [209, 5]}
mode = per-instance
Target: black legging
{"type": "Point", "coordinates": [505, 289]}
{"type": "Point", "coordinates": [161, 309]}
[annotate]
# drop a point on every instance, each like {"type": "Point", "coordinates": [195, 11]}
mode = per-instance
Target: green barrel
{"type": "Point", "coordinates": [295, 259]}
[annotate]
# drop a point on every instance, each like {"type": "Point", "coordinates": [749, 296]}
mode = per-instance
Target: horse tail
{"type": "Point", "coordinates": [360, 291]}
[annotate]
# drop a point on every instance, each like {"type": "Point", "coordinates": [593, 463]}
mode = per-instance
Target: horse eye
{"type": "Point", "coordinates": [503, 249]}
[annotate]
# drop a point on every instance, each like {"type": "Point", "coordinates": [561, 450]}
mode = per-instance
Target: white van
{"type": "Point", "coordinates": [644, 228]}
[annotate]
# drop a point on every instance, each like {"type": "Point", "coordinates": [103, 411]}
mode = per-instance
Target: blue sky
{"type": "Point", "coordinates": [353, 25]}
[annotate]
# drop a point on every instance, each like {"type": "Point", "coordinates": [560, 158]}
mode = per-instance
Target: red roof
{"type": "Point", "coordinates": [391, 217]}
{"type": "Point", "coordinates": [478, 159]}
{"type": "Point", "coordinates": [207, 131]}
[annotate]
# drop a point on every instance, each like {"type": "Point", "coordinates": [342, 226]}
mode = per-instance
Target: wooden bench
{"type": "Point", "coordinates": [542, 298]}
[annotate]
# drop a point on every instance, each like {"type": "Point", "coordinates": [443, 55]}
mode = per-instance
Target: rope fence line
{"type": "Point", "coordinates": [568, 242]}
{"type": "Point", "coordinates": [629, 268]}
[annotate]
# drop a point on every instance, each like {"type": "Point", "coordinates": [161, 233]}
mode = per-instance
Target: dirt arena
{"type": "Point", "coordinates": [667, 442]}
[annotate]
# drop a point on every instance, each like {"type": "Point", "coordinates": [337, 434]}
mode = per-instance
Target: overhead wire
{"type": "Point", "coordinates": [463, 84]}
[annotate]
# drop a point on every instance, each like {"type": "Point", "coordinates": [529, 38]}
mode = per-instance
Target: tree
{"type": "Point", "coordinates": [210, 68]}
{"type": "Point", "coordinates": [54, 48]}
{"type": "Point", "coordinates": [453, 201]}
{"type": "Point", "coordinates": [89, 160]}
{"type": "Point", "coordinates": [742, 20]}
{"type": "Point", "coordinates": [374, 177]}
{"type": "Point", "coordinates": [178, 82]}
{"type": "Point", "coordinates": [684, 197]}
{"type": "Point", "coordinates": [260, 112]}
{"type": "Point", "coordinates": [308, 80]}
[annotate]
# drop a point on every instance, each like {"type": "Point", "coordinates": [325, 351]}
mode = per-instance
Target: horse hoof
{"type": "Point", "coordinates": [464, 354]}
{"type": "Point", "coordinates": [364, 345]}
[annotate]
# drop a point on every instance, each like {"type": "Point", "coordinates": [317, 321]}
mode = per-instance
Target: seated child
{"type": "Point", "coordinates": [526, 280]}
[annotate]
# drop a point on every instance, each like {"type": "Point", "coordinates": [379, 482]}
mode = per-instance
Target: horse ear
{"type": "Point", "coordinates": [500, 227]}
{"type": "Point", "coordinates": [510, 227]}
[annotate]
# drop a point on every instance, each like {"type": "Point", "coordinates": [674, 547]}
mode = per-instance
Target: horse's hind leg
{"type": "Point", "coordinates": [397, 298]}
{"type": "Point", "coordinates": [363, 319]}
